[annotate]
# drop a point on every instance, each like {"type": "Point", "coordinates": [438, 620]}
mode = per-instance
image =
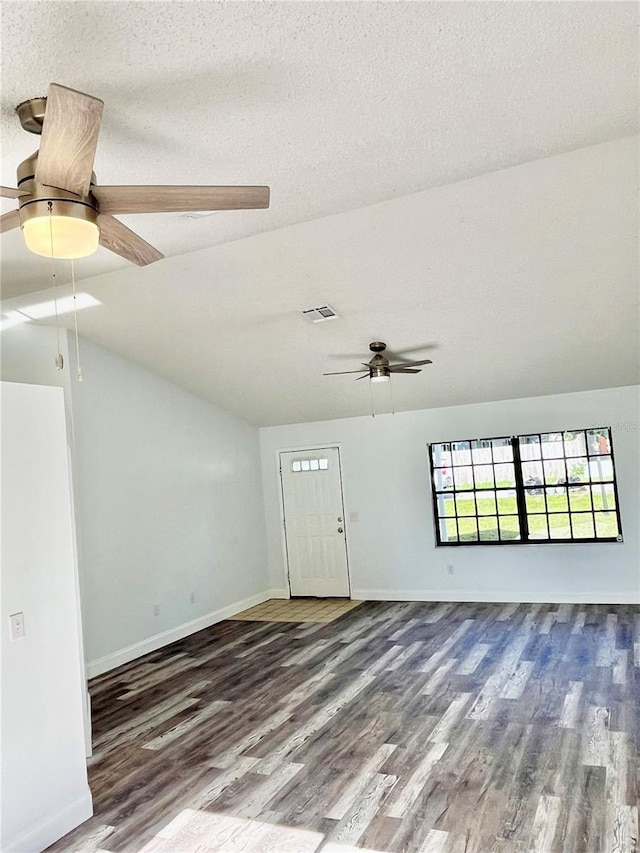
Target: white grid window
{"type": "Point", "coordinates": [299, 465]}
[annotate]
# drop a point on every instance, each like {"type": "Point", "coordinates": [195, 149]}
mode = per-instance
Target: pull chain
{"type": "Point", "coordinates": [373, 412]}
{"type": "Point", "coordinates": [59, 358]}
{"type": "Point", "coordinates": [393, 410]}
{"type": "Point", "coordinates": [75, 322]}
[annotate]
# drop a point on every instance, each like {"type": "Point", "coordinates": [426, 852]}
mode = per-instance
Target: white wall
{"type": "Point", "coordinates": [44, 780]}
{"type": "Point", "coordinates": [170, 503]}
{"type": "Point", "coordinates": [392, 552]}
{"type": "Point", "coordinates": [168, 499]}
{"type": "Point", "coordinates": [28, 355]}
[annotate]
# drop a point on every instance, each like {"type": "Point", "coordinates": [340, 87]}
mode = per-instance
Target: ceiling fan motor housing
{"type": "Point", "coordinates": [43, 202]}
{"type": "Point", "coordinates": [28, 184]}
{"type": "Point", "coordinates": [379, 371]}
{"type": "Point", "coordinates": [31, 114]}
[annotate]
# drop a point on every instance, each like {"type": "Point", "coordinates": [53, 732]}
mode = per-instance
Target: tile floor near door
{"type": "Point", "coordinates": [425, 728]}
{"type": "Point", "coordinates": [298, 610]}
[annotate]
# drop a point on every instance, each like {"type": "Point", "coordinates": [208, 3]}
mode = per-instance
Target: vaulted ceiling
{"type": "Point", "coordinates": [462, 175]}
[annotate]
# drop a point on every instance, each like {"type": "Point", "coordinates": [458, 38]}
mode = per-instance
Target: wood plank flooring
{"type": "Point", "coordinates": [401, 727]}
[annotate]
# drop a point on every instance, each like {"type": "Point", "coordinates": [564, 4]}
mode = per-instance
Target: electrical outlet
{"type": "Point", "coordinates": [16, 626]}
{"type": "Point", "coordinates": [192, 598]}
{"type": "Point", "coordinates": [450, 568]}
{"type": "Point", "coordinates": [156, 609]}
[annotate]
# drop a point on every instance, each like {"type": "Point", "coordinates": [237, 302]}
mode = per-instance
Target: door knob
{"type": "Point", "coordinates": [339, 518]}
{"type": "Point", "coordinates": [340, 530]}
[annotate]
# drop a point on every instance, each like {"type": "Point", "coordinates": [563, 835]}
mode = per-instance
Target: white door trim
{"type": "Point", "coordinates": [305, 448]}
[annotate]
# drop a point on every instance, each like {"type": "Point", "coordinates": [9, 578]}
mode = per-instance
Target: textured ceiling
{"type": "Point", "coordinates": [512, 272]}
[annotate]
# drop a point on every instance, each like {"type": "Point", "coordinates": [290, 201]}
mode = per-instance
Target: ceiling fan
{"type": "Point", "coordinates": [378, 368]}
{"type": "Point", "coordinates": [63, 213]}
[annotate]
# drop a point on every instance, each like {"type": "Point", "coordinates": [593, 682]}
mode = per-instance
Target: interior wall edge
{"type": "Point", "coordinates": [495, 596]}
{"type": "Point", "coordinates": [279, 593]}
{"type": "Point", "coordinates": [53, 827]}
{"type": "Point", "coordinates": [158, 641]}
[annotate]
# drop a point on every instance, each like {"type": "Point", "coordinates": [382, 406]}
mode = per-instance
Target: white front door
{"type": "Point", "coordinates": [314, 522]}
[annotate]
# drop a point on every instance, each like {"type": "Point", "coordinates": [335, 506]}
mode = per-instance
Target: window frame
{"type": "Point", "coordinates": [520, 493]}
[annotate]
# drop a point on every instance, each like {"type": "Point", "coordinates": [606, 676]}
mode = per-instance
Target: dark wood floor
{"type": "Point", "coordinates": [399, 727]}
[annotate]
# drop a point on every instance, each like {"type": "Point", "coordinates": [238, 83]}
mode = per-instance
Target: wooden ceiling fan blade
{"type": "Point", "coordinates": [69, 139]}
{"type": "Point", "coordinates": [124, 242]}
{"type": "Point", "coordinates": [179, 199]}
{"type": "Point", "coordinates": [340, 372]}
{"type": "Point", "coordinates": [405, 364]}
{"type": "Point", "coordinates": [408, 350]}
{"type": "Point", "coordinates": [9, 221]}
{"type": "Point", "coordinates": [10, 192]}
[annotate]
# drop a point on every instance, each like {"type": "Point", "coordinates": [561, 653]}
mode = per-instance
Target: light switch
{"type": "Point", "coordinates": [16, 626]}
{"type": "Point", "coordinates": [353, 516]}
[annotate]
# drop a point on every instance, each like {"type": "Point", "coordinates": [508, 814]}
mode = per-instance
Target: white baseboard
{"type": "Point", "coordinates": [279, 593]}
{"type": "Point", "coordinates": [158, 641]}
{"type": "Point", "coordinates": [498, 596]}
{"type": "Point", "coordinates": [52, 828]}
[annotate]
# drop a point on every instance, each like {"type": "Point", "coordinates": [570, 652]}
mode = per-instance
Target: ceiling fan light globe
{"type": "Point", "coordinates": [72, 238]}
{"type": "Point", "coordinates": [380, 378]}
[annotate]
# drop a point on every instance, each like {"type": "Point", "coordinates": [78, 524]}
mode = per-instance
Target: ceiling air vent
{"type": "Point", "coordinates": [319, 315]}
